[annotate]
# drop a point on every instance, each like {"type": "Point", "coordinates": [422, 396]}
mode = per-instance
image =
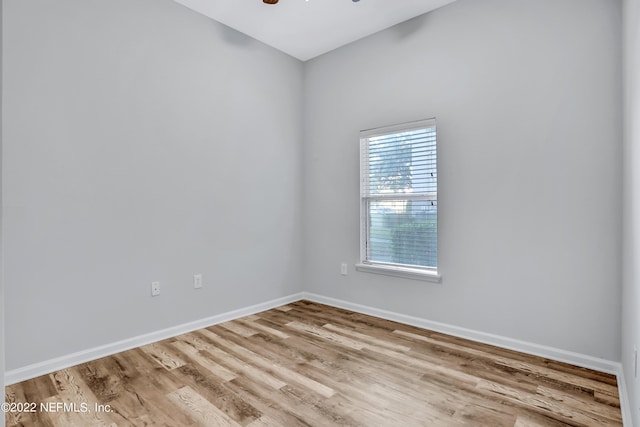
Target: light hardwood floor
{"type": "Point", "coordinates": [309, 364]}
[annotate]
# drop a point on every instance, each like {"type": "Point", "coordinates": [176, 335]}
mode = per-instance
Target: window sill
{"type": "Point", "coordinates": [404, 272]}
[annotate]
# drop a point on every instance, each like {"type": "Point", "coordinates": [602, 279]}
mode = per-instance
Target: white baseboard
{"type": "Point", "coordinates": [559, 355]}
{"type": "Point", "coordinates": [625, 406]}
{"type": "Point", "coordinates": [603, 365]}
{"type": "Point", "coordinates": [42, 368]}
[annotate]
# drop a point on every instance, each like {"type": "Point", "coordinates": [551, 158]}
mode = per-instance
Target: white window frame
{"type": "Point", "coordinates": [391, 269]}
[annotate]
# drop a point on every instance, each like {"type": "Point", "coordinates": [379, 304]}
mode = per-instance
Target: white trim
{"type": "Point", "coordinates": [35, 370]}
{"type": "Point", "coordinates": [367, 196]}
{"type": "Point", "coordinates": [400, 127]}
{"type": "Point", "coordinates": [397, 271]}
{"type": "Point", "coordinates": [42, 368]}
{"type": "Point", "coordinates": [625, 407]}
{"type": "Point", "coordinates": [582, 360]}
{"type": "Point", "coordinates": [559, 355]}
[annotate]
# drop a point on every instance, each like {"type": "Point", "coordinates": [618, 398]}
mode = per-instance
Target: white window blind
{"type": "Point", "coordinates": [399, 196]}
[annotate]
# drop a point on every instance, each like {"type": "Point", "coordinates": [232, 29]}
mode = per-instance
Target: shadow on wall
{"type": "Point", "coordinates": [233, 37]}
{"type": "Point", "coordinates": [406, 29]}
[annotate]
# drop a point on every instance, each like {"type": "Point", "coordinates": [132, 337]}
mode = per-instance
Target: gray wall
{"type": "Point", "coordinates": [631, 211]}
{"type": "Point", "coordinates": [528, 100]}
{"type": "Point", "coordinates": [142, 142]}
{"type": "Point", "coordinates": [145, 142]}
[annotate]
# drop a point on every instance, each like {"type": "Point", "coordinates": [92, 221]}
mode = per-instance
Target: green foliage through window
{"type": "Point", "coordinates": [399, 195]}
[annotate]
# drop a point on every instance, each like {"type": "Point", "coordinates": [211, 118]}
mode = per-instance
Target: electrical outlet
{"type": "Point", "coordinates": [197, 281]}
{"type": "Point", "coordinates": [344, 269]}
{"type": "Point", "coordinates": [155, 289]}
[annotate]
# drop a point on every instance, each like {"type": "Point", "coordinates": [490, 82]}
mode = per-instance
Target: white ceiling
{"type": "Point", "coordinates": [308, 28]}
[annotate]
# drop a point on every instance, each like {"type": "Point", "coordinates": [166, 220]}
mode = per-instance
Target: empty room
{"type": "Point", "coordinates": [320, 213]}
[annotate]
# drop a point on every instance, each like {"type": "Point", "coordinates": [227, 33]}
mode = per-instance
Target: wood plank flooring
{"type": "Point", "coordinates": [307, 364]}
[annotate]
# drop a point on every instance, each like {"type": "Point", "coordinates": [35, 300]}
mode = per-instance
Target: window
{"type": "Point", "coordinates": [399, 200]}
